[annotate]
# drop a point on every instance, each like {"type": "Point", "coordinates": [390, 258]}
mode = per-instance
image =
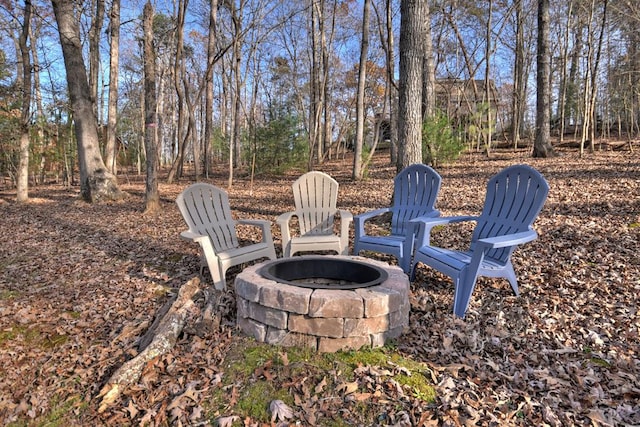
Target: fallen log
{"type": "Point", "coordinates": [165, 334]}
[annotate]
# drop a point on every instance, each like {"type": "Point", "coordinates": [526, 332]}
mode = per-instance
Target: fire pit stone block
{"type": "Point", "coordinates": [326, 320]}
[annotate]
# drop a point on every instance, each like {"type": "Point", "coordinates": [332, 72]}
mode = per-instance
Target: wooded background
{"type": "Point", "coordinates": [266, 86]}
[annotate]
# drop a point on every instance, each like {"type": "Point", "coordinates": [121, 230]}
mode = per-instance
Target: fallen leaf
{"type": "Point", "coordinates": [280, 411]}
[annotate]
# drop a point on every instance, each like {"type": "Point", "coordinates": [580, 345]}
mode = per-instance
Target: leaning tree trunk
{"type": "Point", "coordinates": [96, 183]}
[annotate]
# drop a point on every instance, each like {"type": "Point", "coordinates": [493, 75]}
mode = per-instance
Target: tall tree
{"type": "Point", "coordinates": [112, 109]}
{"type": "Point", "coordinates": [428, 70]}
{"type": "Point", "coordinates": [391, 83]}
{"type": "Point", "coordinates": [96, 183]}
{"type": "Point", "coordinates": [22, 194]}
{"type": "Point", "coordinates": [542, 144]}
{"type": "Point", "coordinates": [94, 51]}
{"type": "Point", "coordinates": [360, 107]}
{"type": "Point", "coordinates": [519, 94]}
{"type": "Point", "coordinates": [211, 51]}
{"type": "Point", "coordinates": [414, 14]}
{"type": "Point", "coordinates": [182, 133]}
{"type": "Point", "coordinates": [152, 198]}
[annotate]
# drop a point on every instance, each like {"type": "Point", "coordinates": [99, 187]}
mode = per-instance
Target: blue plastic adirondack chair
{"type": "Point", "coordinates": [205, 208]}
{"type": "Point", "coordinates": [514, 199]}
{"type": "Point", "coordinates": [415, 190]}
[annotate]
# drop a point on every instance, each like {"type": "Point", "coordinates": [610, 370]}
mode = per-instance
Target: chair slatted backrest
{"type": "Point", "coordinates": [206, 210]}
{"type": "Point", "coordinates": [415, 190]}
{"type": "Point", "coordinates": [514, 198]}
{"type": "Point", "coordinates": [315, 196]}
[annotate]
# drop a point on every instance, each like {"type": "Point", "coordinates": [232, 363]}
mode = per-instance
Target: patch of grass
{"type": "Point", "coordinates": [255, 374]}
{"type": "Point", "coordinates": [7, 294]}
{"type": "Point", "coordinates": [32, 336]}
{"type": "Point", "coordinates": [634, 225]}
{"type": "Point", "coordinates": [600, 362]}
{"type": "Point", "coordinates": [254, 400]}
{"type": "Point", "coordinates": [61, 412]}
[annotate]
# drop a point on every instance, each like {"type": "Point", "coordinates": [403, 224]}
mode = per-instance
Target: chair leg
{"type": "Point", "coordinates": [218, 279]}
{"type": "Point", "coordinates": [405, 263]}
{"type": "Point", "coordinates": [464, 285]}
{"type": "Point", "coordinates": [510, 275]}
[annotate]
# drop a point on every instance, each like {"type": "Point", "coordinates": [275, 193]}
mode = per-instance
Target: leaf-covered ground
{"type": "Point", "coordinates": [80, 284]}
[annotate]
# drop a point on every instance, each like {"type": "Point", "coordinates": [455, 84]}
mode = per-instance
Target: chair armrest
{"type": "Point", "coordinates": [360, 220]}
{"type": "Point", "coordinates": [508, 240]}
{"type": "Point", "coordinates": [285, 233]}
{"type": "Point", "coordinates": [432, 221]}
{"type": "Point", "coordinates": [370, 214]}
{"type": "Point", "coordinates": [346, 218]}
{"type": "Point", "coordinates": [193, 237]}
{"type": "Point", "coordinates": [263, 224]}
{"type": "Point", "coordinates": [285, 218]}
{"type": "Point", "coordinates": [426, 223]}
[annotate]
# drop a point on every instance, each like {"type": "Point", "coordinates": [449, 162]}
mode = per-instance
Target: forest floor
{"type": "Point", "coordinates": [80, 284]}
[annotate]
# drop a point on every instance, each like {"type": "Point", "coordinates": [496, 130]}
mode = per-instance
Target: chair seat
{"type": "Point", "coordinates": [245, 252]}
{"type": "Point", "coordinates": [448, 261]}
{"type": "Point", "coordinates": [316, 242]}
{"type": "Point", "coordinates": [376, 243]}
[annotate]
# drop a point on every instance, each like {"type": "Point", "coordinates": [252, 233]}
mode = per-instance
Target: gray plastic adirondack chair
{"type": "Point", "coordinates": [513, 201]}
{"type": "Point", "coordinates": [205, 208]}
{"type": "Point", "coordinates": [415, 190]}
{"type": "Point", "coordinates": [315, 196]}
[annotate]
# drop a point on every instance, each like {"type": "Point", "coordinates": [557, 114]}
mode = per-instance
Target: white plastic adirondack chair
{"type": "Point", "coordinates": [415, 190]}
{"type": "Point", "coordinates": [205, 208]}
{"type": "Point", "coordinates": [513, 201]}
{"type": "Point", "coordinates": [315, 196]}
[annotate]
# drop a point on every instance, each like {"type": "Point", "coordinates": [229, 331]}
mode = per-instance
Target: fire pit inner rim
{"type": "Point", "coordinates": [302, 270]}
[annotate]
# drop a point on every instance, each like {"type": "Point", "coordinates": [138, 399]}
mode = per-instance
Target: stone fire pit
{"type": "Point", "coordinates": [313, 312]}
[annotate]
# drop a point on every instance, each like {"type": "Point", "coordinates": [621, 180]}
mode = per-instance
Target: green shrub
{"type": "Point", "coordinates": [440, 142]}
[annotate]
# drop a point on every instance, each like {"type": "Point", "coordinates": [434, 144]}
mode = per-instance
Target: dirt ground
{"type": "Point", "coordinates": [80, 283]}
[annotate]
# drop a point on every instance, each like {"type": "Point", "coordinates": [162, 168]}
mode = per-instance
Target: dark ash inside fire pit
{"type": "Point", "coordinates": [320, 272]}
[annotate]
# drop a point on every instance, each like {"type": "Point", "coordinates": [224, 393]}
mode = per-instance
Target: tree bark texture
{"type": "Point", "coordinates": [166, 333]}
{"type": "Point", "coordinates": [412, 27]}
{"type": "Point", "coordinates": [111, 148]}
{"type": "Point", "coordinates": [542, 144]}
{"type": "Point", "coordinates": [22, 192]}
{"type": "Point", "coordinates": [96, 183]}
{"type": "Point", "coordinates": [362, 76]}
{"type": "Point", "coordinates": [152, 198]}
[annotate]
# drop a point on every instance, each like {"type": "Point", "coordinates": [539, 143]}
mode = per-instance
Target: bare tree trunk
{"type": "Point", "coordinates": [393, 87]}
{"type": "Point", "coordinates": [96, 183]}
{"type": "Point", "coordinates": [112, 110]}
{"type": "Point", "coordinates": [22, 193]}
{"type": "Point", "coordinates": [594, 77]}
{"type": "Point", "coordinates": [428, 72]}
{"type": "Point", "coordinates": [562, 98]}
{"type": "Point", "coordinates": [360, 108]}
{"type": "Point", "coordinates": [211, 47]}
{"type": "Point", "coordinates": [487, 87]}
{"type": "Point", "coordinates": [94, 50]}
{"type": "Point", "coordinates": [542, 145]}
{"type": "Point", "coordinates": [152, 198]}
{"type": "Point", "coordinates": [518, 94]}
{"type": "Point", "coordinates": [178, 70]}
{"type": "Point", "coordinates": [412, 27]}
